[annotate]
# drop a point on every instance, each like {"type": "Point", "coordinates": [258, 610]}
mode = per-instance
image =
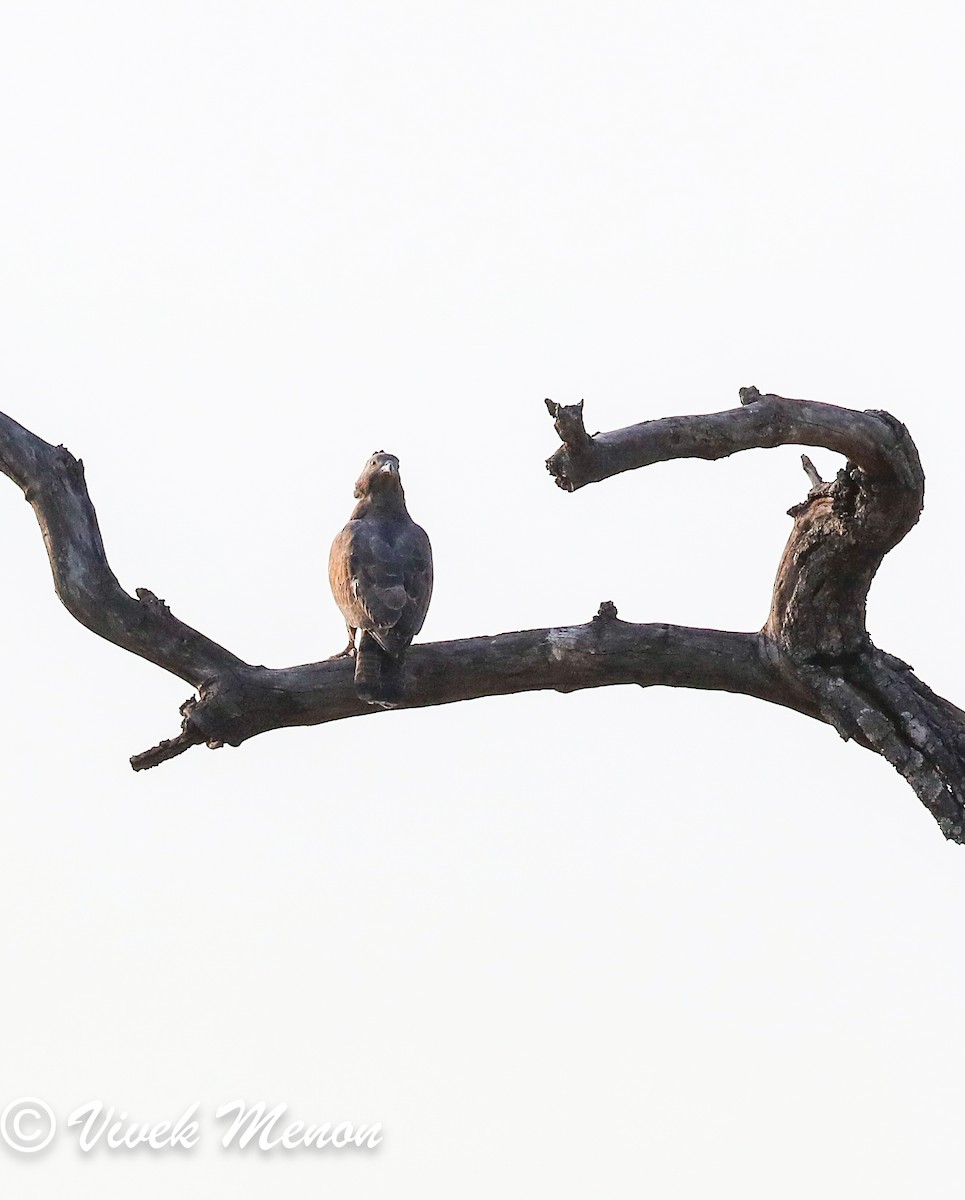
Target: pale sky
{"type": "Point", "coordinates": [619, 943]}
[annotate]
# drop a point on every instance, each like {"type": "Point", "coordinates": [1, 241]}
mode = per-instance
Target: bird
{"type": "Point", "coordinates": [380, 570]}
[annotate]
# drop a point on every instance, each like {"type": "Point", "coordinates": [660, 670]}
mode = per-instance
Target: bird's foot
{"type": "Point", "coordinates": [348, 652]}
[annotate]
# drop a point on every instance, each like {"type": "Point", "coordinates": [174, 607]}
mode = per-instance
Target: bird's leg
{"type": "Point", "coordinates": [349, 651]}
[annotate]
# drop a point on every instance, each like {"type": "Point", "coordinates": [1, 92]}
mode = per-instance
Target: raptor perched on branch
{"type": "Point", "coordinates": [814, 653]}
{"type": "Point", "coordinates": [380, 569]}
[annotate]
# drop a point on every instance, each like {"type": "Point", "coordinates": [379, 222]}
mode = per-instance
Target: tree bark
{"type": "Point", "coordinates": [815, 637]}
{"type": "Point", "coordinates": [813, 655]}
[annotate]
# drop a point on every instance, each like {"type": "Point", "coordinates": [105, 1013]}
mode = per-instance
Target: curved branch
{"type": "Point", "coordinates": [52, 480]}
{"type": "Point", "coordinates": [815, 632]}
{"type": "Point", "coordinates": [601, 653]}
{"type": "Point", "coordinates": [813, 655]}
{"type": "Point", "coordinates": [237, 700]}
{"type": "Point", "coordinates": [841, 532]}
{"type": "Point", "coordinates": [873, 440]}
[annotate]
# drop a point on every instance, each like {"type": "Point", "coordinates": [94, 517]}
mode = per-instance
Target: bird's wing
{"type": "Point", "coordinates": [340, 575]}
{"type": "Point", "coordinates": [412, 556]}
{"type": "Point", "coordinates": [417, 556]}
{"type": "Point", "coordinates": [381, 576]}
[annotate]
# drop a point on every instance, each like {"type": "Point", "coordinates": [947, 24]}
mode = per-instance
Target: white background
{"type": "Point", "coordinates": [615, 943]}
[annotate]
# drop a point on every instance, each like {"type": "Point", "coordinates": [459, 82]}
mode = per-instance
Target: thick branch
{"type": "Point", "coordinates": [603, 652]}
{"type": "Point", "coordinates": [237, 700]}
{"type": "Point", "coordinates": [815, 632]}
{"type": "Point", "coordinates": [872, 440]}
{"type": "Point", "coordinates": [813, 655]}
{"type": "Point", "coordinates": [842, 531]}
{"type": "Point", "coordinates": [52, 480]}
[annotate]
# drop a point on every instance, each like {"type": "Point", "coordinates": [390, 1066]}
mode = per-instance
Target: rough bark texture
{"type": "Point", "coordinates": [814, 654]}
{"type": "Point", "coordinates": [815, 638]}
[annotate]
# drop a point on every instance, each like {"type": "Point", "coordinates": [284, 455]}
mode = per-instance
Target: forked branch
{"type": "Point", "coordinates": [815, 636]}
{"type": "Point", "coordinates": [814, 654]}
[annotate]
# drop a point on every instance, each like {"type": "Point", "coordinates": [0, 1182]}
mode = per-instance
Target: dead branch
{"type": "Point", "coordinates": [603, 652]}
{"type": "Point", "coordinates": [813, 655]}
{"type": "Point", "coordinates": [815, 634]}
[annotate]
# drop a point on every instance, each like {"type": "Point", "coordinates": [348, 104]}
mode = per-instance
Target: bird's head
{"type": "Point", "coordinates": [380, 475]}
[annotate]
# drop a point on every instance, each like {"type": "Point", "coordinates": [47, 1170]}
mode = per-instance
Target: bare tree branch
{"type": "Point", "coordinates": [815, 632]}
{"type": "Point", "coordinates": [813, 655]}
{"type": "Point", "coordinates": [603, 652]}
{"type": "Point", "coordinates": [52, 480]}
{"type": "Point", "coordinates": [869, 439]}
{"type": "Point", "coordinates": [237, 700]}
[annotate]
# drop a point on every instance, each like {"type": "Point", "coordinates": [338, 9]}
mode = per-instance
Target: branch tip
{"type": "Point", "coordinates": [167, 749]}
{"type": "Point", "coordinates": [568, 419]}
{"type": "Point", "coordinates": [811, 471]}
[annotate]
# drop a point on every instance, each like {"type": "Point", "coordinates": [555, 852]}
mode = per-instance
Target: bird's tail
{"type": "Point", "coordinates": [379, 676]}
